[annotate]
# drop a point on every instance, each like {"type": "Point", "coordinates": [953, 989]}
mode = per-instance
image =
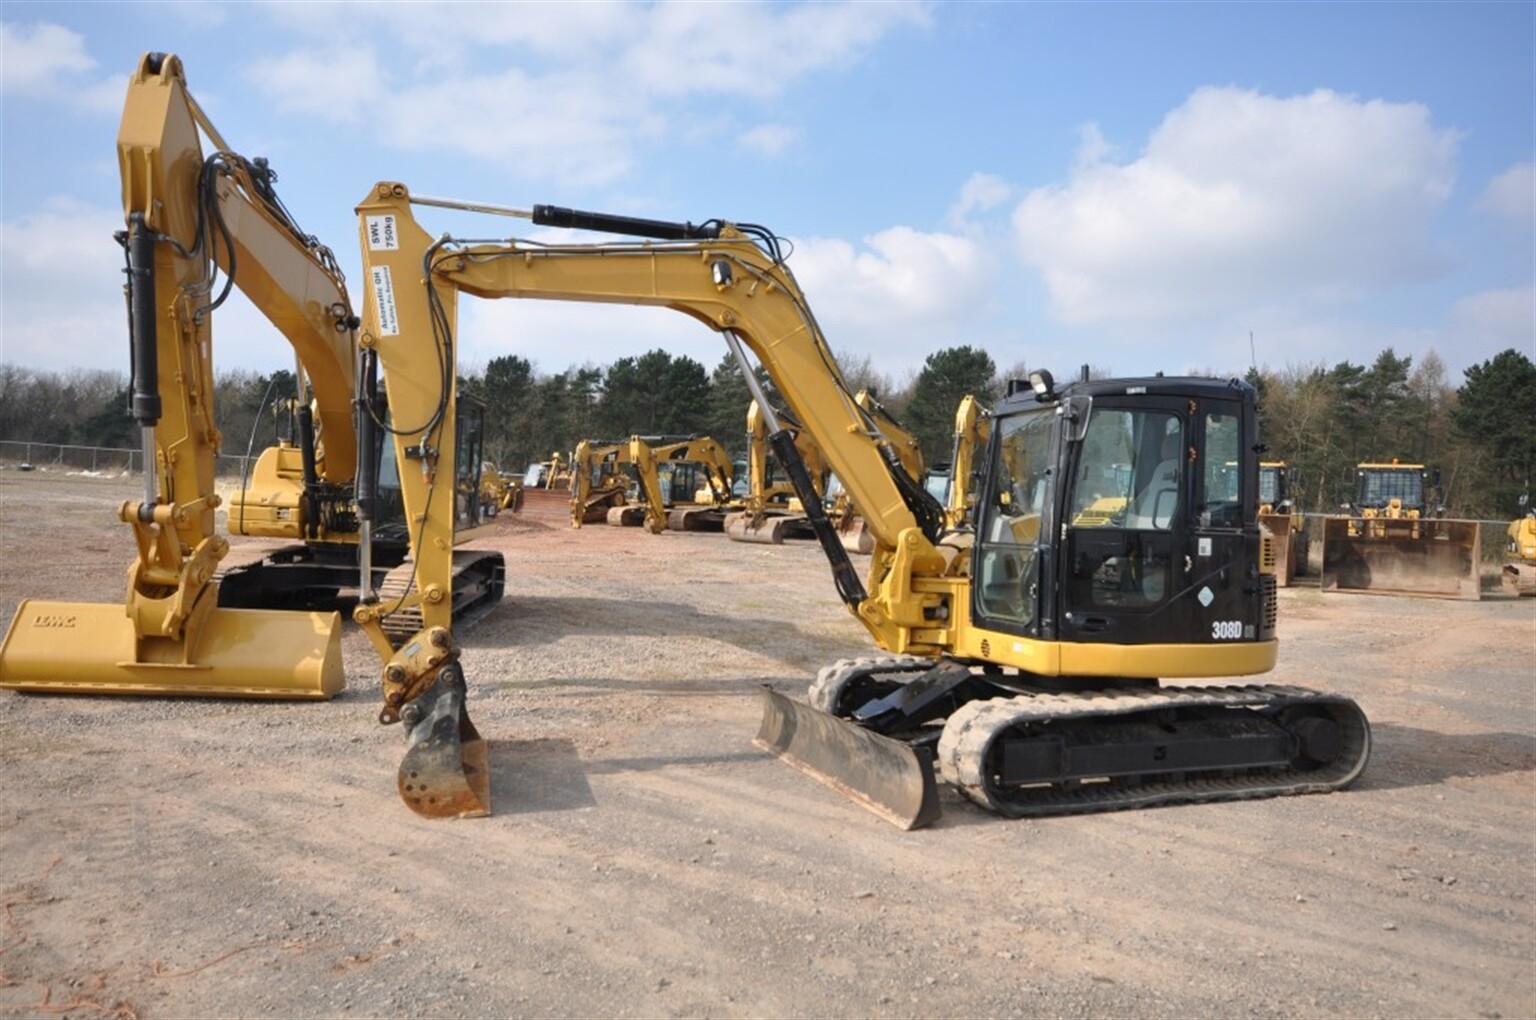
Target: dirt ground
{"type": "Point", "coordinates": [167, 857]}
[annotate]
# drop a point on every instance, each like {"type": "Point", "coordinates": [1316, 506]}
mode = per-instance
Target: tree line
{"type": "Point", "coordinates": [1479, 436]}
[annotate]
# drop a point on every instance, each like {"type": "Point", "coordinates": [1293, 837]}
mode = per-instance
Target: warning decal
{"type": "Point", "coordinates": [384, 301]}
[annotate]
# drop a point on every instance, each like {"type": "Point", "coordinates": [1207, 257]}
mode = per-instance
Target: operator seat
{"type": "Point", "coordinates": [1154, 506]}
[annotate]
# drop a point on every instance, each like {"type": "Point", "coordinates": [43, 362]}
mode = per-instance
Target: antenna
{"type": "Point", "coordinates": [1253, 358]}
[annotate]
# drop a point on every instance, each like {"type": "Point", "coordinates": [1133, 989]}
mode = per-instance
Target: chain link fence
{"type": "Point", "coordinates": [102, 461]}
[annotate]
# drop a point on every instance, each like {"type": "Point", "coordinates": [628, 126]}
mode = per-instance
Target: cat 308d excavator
{"type": "Point", "coordinates": [1024, 651]}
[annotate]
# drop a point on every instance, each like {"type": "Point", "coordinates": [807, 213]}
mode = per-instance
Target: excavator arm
{"type": "Point", "coordinates": [189, 218]}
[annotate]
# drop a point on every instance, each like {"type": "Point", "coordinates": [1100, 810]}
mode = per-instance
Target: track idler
{"type": "Point", "coordinates": [445, 772]}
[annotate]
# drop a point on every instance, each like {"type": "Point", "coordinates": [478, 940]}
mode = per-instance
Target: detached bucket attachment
{"type": "Point", "coordinates": [767, 531]}
{"type": "Point", "coordinates": [92, 648]}
{"type": "Point", "coordinates": [446, 770]}
{"type": "Point", "coordinates": [700, 518]}
{"type": "Point", "coordinates": [856, 537]}
{"type": "Point", "coordinates": [893, 779]}
{"type": "Point", "coordinates": [1394, 556]}
{"type": "Point", "coordinates": [625, 516]}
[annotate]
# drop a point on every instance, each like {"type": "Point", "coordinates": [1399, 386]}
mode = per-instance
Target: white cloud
{"type": "Point", "coordinates": [770, 139]}
{"type": "Point", "coordinates": [754, 48]}
{"type": "Point", "coordinates": [979, 193]}
{"type": "Point", "coordinates": [337, 85]}
{"type": "Point", "coordinates": [565, 92]}
{"type": "Point", "coordinates": [38, 58]}
{"type": "Point", "coordinates": [1512, 193]}
{"type": "Point", "coordinates": [1241, 199]}
{"type": "Point", "coordinates": [47, 61]}
{"type": "Point", "coordinates": [1496, 320]}
{"type": "Point", "coordinates": [901, 296]}
{"type": "Point", "coordinates": [63, 276]}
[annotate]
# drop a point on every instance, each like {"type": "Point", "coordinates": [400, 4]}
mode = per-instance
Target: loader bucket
{"type": "Point", "coordinates": [1435, 558]}
{"type": "Point", "coordinates": [91, 648]}
{"type": "Point", "coordinates": [893, 779]}
{"type": "Point", "coordinates": [446, 770]}
{"type": "Point", "coordinates": [1283, 539]}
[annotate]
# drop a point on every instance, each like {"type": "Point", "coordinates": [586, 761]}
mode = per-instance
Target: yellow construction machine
{"type": "Point", "coordinates": [682, 482]}
{"type": "Point", "coordinates": [1283, 519]}
{"type": "Point", "coordinates": [1391, 541]}
{"type": "Point", "coordinates": [1024, 660]}
{"type": "Point", "coordinates": [771, 511]}
{"type": "Point", "coordinates": [188, 218]}
{"type": "Point", "coordinates": [1519, 573]}
{"type": "Point", "coordinates": [597, 483]}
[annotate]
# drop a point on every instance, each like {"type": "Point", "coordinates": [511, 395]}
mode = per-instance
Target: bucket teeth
{"type": "Point", "coordinates": [445, 772]}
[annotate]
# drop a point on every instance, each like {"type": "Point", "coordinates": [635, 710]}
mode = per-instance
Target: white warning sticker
{"type": "Point", "coordinates": [382, 234]}
{"type": "Point", "coordinates": [384, 301]}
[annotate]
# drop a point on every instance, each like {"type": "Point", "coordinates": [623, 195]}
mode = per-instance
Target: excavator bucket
{"type": "Point", "coordinates": [856, 537]}
{"type": "Point", "coordinates": [1394, 556]}
{"type": "Point", "coordinates": [739, 527]}
{"type": "Point", "coordinates": [893, 779]}
{"type": "Point", "coordinates": [446, 769]}
{"type": "Point", "coordinates": [91, 648]}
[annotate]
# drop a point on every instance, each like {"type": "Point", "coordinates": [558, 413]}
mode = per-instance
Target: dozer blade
{"type": "Point", "coordinates": [1433, 557]}
{"type": "Point", "coordinates": [893, 779]}
{"type": "Point", "coordinates": [446, 771]}
{"type": "Point", "coordinates": [90, 648]}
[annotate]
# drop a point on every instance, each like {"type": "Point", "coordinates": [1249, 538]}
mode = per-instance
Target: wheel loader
{"type": "Point", "coordinates": [1023, 653]}
{"type": "Point", "coordinates": [1518, 576]}
{"type": "Point", "coordinates": [1286, 524]}
{"type": "Point", "coordinates": [1391, 541]}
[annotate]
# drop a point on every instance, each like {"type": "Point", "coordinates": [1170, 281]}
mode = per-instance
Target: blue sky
{"type": "Point", "coordinates": [1138, 186]}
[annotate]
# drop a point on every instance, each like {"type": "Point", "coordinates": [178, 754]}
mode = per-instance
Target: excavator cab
{"type": "Point", "coordinates": [1158, 570]}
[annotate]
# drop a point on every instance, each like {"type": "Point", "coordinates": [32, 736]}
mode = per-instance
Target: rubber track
{"type": "Point", "coordinates": [970, 732]}
{"type": "Point", "coordinates": [826, 691]}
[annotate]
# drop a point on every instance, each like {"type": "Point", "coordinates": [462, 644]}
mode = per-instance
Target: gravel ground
{"type": "Point", "coordinates": [167, 857]}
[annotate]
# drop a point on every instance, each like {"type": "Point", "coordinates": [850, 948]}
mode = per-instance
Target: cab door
{"type": "Point", "coordinates": [1125, 521]}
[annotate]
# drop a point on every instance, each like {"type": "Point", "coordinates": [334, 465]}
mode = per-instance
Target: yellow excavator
{"type": "Point", "coordinates": [1391, 541]}
{"type": "Point", "coordinates": [600, 486]}
{"type": "Point", "coordinates": [188, 219]}
{"type": "Point", "coordinates": [1023, 653]}
{"type": "Point", "coordinates": [771, 511]}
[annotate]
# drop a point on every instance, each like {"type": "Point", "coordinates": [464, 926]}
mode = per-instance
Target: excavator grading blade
{"type": "Point", "coordinates": [446, 770]}
{"type": "Point", "coordinates": [1387, 556]}
{"type": "Point", "coordinates": [90, 648]}
{"type": "Point", "coordinates": [893, 779]}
